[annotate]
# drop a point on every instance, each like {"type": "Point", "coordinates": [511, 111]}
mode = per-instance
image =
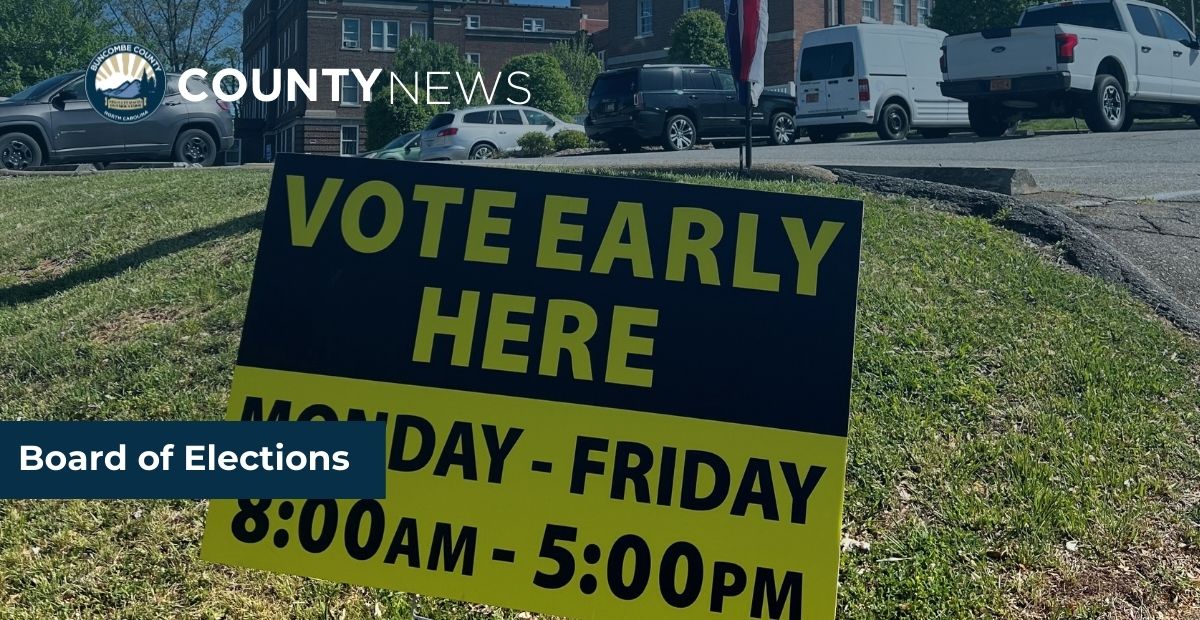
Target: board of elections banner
{"type": "Point", "coordinates": [604, 397]}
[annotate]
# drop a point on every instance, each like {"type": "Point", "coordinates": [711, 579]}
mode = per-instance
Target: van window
{"type": "Point", "coordinates": [614, 85]}
{"type": "Point", "coordinates": [657, 79]}
{"type": "Point", "coordinates": [1102, 16]}
{"type": "Point", "coordinates": [509, 117]}
{"type": "Point", "coordinates": [698, 79]}
{"type": "Point", "coordinates": [439, 121]}
{"type": "Point", "coordinates": [827, 62]}
{"type": "Point", "coordinates": [726, 80]}
{"type": "Point", "coordinates": [482, 118]}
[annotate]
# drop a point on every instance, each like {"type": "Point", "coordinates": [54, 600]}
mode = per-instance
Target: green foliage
{"type": "Point", "coordinates": [535, 144]}
{"type": "Point", "coordinates": [387, 117]}
{"type": "Point", "coordinates": [699, 38]}
{"type": "Point", "coordinates": [45, 38]}
{"type": "Point", "coordinates": [417, 55]}
{"type": "Point", "coordinates": [579, 65]}
{"type": "Point", "coordinates": [570, 139]}
{"type": "Point", "coordinates": [546, 83]}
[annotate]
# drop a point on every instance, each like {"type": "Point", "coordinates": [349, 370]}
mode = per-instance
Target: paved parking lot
{"type": "Point", "coordinates": [1162, 164]}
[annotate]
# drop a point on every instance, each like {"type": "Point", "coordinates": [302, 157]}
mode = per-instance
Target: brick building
{"type": "Point", "coordinates": [640, 32]}
{"type": "Point", "coordinates": [363, 34]}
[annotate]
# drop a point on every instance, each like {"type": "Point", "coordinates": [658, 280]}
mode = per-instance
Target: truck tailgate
{"type": "Point", "coordinates": [1001, 52]}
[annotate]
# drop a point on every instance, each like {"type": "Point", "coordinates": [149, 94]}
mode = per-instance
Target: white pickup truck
{"type": "Point", "coordinates": [1108, 60]}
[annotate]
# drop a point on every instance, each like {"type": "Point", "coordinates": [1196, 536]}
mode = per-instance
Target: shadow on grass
{"type": "Point", "coordinates": [34, 291]}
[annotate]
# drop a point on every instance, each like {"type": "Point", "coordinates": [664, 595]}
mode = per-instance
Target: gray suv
{"type": "Point", "coordinates": [52, 122]}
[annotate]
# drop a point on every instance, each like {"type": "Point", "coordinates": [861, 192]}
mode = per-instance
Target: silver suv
{"type": "Point", "coordinates": [53, 122]}
{"type": "Point", "coordinates": [485, 132]}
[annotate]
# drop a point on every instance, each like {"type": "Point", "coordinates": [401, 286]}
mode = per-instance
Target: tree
{"type": "Point", "coordinates": [579, 64]}
{"type": "Point", "coordinates": [42, 39]}
{"type": "Point", "coordinates": [699, 38]}
{"type": "Point", "coordinates": [387, 117]}
{"type": "Point", "coordinates": [182, 33]}
{"type": "Point", "coordinates": [418, 55]}
{"type": "Point", "coordinates": [547, 85]}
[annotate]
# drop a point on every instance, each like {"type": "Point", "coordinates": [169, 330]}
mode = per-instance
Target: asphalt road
{"type": "Point", "coordinates": [1147, 163]}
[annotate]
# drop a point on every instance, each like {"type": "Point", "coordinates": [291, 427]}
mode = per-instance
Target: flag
{"type": "Point", "coordinates": [746, 37]}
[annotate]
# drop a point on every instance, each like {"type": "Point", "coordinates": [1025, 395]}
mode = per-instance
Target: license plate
{"type": "Point", "coordinates": [812, 97]}
{"type": "Point", "coordinates": [1000, 85]}
{"type": "Point", "coordinates": [610, 107]}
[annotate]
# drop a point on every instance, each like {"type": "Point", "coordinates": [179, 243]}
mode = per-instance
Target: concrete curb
{"type": "Point", "coordinates": [767, 171]}
{"type": "Point", "coordinates": [1007, 181]}
{"type": "Point", "coordinates": [1082, 247]}
{"type": "Point", "coordinates": [62, 170]}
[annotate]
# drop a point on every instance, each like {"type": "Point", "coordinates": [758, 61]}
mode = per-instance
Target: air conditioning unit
{"type": "Point", "coordinates": [350, 44]}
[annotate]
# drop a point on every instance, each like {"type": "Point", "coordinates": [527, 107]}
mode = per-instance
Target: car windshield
{"type": "Point", "coordinates": [399, 142]}
{"type": "Point", "coordinates": [1087, 15]}
{"type": "Point", "coordinates": [43, 88]}
{"type": "Point", "coordinates": [614, 85]}
{"type": "Point", "coordinates": [441, 120]}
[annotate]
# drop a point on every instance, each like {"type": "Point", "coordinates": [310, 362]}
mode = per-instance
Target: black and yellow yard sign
{"type": "Point", "coordinates": [605, 397]}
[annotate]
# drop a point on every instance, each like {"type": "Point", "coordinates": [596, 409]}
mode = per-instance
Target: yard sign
{"type": "Point", "coordinates": [605, 397]}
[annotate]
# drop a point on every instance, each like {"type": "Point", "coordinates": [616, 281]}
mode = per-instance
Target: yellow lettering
{"type": "Point", "coordinates": [461, 327]}
{"type": "Point", "coordinates": [622, 343]}
{"type": "Point", "coordinates": [500, 331]}
{"type": "Point", "coordinates": [438, 198]}
{"type": "Point", "coordinates": [556, 339]}
{"type": "Point", "coordinates": [626, 216]}
{"type": "Point", "coordinates": [809, 257]}
{"type": "Point", "coordinates": [482, 224]}
{"type": "Point", "coordinates": [701, 248]}
{"type": "Point", "coordinates": [554, 231]}
{"type": "Point", "coordinates": [393, 215]}
{"type": "Point", "coordinates": [744, 275]}
{"type": "Point", "coordinates": [304, 226]}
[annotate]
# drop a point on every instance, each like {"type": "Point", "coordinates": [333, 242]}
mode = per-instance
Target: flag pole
{"type": "Point", "coordinates": [749, 129]}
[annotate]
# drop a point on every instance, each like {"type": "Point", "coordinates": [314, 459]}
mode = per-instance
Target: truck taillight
{"type": "Point", "coordinates": [864, 90]}
{"type": "Point", "coordinates": [637, 100]}
{"type": "Point", "coordinates": [942, 62]}
{"type": "Point", "coordinates": [1066, 44]}
{"type": "Point", "coordinates": [447, 132]}
{"type": "Point", "coordinates": [224, 105]}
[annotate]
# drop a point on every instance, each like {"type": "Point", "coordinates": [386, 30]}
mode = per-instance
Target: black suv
{"type": "Point", "coordinates": [677, 106]}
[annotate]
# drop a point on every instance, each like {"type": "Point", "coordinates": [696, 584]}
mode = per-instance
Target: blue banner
{"type": "Point", "coordinates": [177, 460]}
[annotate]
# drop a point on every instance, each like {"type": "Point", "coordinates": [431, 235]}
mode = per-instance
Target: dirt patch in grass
{"type": "Point", "coordinates": [130, 324]}
{"type": "Point", "coordinates": [49, 268]}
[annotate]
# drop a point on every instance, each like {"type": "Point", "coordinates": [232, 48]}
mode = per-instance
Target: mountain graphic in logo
{"type": "Point", "coordinates": [125, 83]}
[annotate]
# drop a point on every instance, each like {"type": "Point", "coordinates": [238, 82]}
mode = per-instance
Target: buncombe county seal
{"type": "Point", "coordinates": [125, 83]}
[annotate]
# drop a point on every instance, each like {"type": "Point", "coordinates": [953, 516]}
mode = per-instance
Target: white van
{"type": "Point", "coordinates": [874, 76]}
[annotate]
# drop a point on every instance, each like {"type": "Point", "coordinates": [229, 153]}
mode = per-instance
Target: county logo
{"type": "Point", "coordinates": [125, 83]}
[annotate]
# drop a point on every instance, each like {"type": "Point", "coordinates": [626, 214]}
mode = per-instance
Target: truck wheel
{"type": "Point", "coordinates": [783, 129]}
{"type": "Point", "coordinates": [817, 136]}
{"type": "Point", "coordinates": [1106, 109]}
{"type": "Point", "coordinates": [19, 151]}
{"type": "Point", "coordinates": [679, 134]}
{"type": "Point", "coordinates": [988, 121]}
{"type": "Point", "coordinates": [894, 123]}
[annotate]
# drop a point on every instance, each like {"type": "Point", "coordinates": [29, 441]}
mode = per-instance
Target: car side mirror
{"type": "Point", "coordinates": [59, 100]}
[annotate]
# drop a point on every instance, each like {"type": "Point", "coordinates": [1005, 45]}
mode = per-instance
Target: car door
{"type": "Point", "coordinates": [78, 132]}
{"type": "Point", "coordinates": [154, 136]}
{"type": "Point", "coordinates": [510, 126]}
{"type": "Point", "coordinates": [735, 112]}
{"type": "Point", "coordinates": [1153, 55]}
{"type": "Point", "coordinates": [1185, 59]}
{"type": "Point", "coordinates": [705, 97]}
{"type": "Point", "coordinates": [540, 121]}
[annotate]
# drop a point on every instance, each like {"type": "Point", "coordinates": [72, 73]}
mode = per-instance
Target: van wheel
{"type": "Point", "coordinates": [935, 134]}
{"type": "Point", "coordinates": [783, 129]}
{"type": "Point", "coordinates": [988, 121]}
{"type": "Point", "coordinates": [894, 123]}
{"type": "Point", "coordinates": [483, 150]}
{"type": "Point", "coordinates": [820, 136]}
{"type": "Point", "coordinates": [680, 133]}
{"type": "Point", "coordinates": [1106, 109]}
{"type": "Point", "coordinates": [19, 151]}
{"type": "Point", "coordinates": [195, 146]}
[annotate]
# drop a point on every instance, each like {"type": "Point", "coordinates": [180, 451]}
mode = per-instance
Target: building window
{"type": "Point", "coordinates": [351, 92]}
{"type": "Point", "coordinates": [603, 56]}
{"type": "Point", "coordinates": [923, 12]}
{"type": "Point", "coordinates": [350, 33]}
{"type": "Point", "coordinates": [645, 18]}
{"type": "Point", "coordinates": [418, 29]}
{"type": "Point", "coordinates": [690, 5]}
{"type": "Point", "coordinates": [900, 7]}
{"type": "Point", "coordinates": [349, 140]}
{"type": "Point", "coordinates": [533, 24]}
{"type": "Point", "coordinates": [871, 9]}
{"type": "Point", "coordinates": [473, 58]}
{"type": "Point", "coordinates": [472, 22]}
{"type": "Point", "coordinates": [385, 34]}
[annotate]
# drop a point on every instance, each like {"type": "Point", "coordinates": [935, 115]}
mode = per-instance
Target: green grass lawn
{"type": "Point", "coordinates": [1023, 441]}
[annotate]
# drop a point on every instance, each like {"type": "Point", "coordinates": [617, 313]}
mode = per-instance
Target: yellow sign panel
{"type": "Point", "coordinates": [634, 440]}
